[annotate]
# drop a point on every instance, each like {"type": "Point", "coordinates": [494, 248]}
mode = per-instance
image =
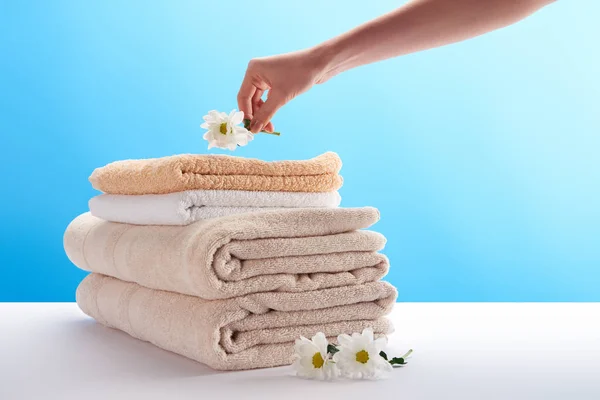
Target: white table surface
{"type": "Point", "coordinates": [462, 351]}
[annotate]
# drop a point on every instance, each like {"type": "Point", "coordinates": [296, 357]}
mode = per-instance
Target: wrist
{"type": "Point", "coordinates": [328, 59]}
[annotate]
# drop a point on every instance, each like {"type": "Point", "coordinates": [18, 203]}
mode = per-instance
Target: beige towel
{"type": "Point", "coordinates": [189, 172]}
{"type": "Point", "coordinates": [289, 250]}
{"type": "Point", "coordinates": [254, 331]}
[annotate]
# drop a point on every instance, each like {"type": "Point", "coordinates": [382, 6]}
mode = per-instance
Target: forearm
{"type": "Point", "coordinates": [420, 25]}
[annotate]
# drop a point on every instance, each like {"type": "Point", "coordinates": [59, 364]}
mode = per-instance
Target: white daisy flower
{"type": "Point", "coordinates": [223, 130]}
{"type": "Point", "coordinates": [312, 360]}
{"type": "Point", "coordinates": [358, 356]}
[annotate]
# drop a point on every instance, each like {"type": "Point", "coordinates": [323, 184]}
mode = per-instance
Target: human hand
{"type": "Point", "coordinates": [284, 76]}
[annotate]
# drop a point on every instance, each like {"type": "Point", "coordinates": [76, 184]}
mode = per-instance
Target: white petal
{"type": "Point", "coordinates": [321, 342]}
{"type": "Point", "coordinates": [316, 373]}
{"type": "Point", "coordinates": [363, 341]}
{"type": "Point", "coordinates": [380, 343]}
{"type": "Point", "coordinates": [214, 116]}
{"type": "Point", "coordinates": [330, 371]}
{"type": "Point", "coordinates": [307, 349]}
{"type": "Point", "coordinates": [380, 370]}
{"type": "Point", "coordinates": [210, 116]}
{"type": "Point", "coordinates": [307, 362]}
{"type": "Point", "coordinates": [368, 334]}
{"type": "Point", "coordinates": [240, 130]}
{"type": "Point", "coordinates": [384, 365]}
{"type": "Point", "coordinates": [241, 139]}
{"type": "Point", "coordinates": [344, 340]}
{"type": "Point", "coordinates": [231, 117]}
{"type": "Point", "coordinates": [300, 349]}
{"type": "Point", "coordinates": [218, 144]}
{"type": "Point", "coordinates": [236, 118]}
{"type": "Point", "coordinates": [302, 340]}
{"type": "Point", "coordinates": [246, 138]}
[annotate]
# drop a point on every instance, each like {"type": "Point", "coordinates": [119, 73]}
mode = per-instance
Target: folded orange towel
{"type": "Point", "coordinates": [190, 172]}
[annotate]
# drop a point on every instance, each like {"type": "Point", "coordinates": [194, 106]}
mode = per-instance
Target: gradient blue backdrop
{"type": "Point", "coordinates": [482, 156]}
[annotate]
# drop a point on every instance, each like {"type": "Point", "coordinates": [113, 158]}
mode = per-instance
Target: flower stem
{"type": "Point", "coordinates": [408, 353]}
{"type": "Point", "coordinates": [247, 126]}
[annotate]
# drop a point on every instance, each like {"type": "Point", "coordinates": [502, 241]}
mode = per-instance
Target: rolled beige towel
{"type": "Point", "coordinates": [291, 250]}
{"type": "Point", "coordinates": [253, 331]}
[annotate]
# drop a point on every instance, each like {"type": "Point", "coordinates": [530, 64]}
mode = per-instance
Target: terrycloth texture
{"type": "Point", "coordinates": [190, 172]}
{"type": "Point", "coordinates": [289, 250]}
{"type": "Point", "coordinates": [183, 208]}
{"type": "Point", "coordinates": [254, 331]}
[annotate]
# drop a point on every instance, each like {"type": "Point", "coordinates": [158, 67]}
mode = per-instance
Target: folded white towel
{"type": "Point", "coordinates": [183, 208]}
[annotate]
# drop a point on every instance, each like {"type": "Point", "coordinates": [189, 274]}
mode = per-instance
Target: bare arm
{"type": "Point", "coordinates": [420, 25]}
{"type": "Point", "coordinates": [416, 26]}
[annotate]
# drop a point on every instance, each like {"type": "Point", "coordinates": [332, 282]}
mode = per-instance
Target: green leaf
{"type": "Point", "coordinates": [382, 354]}
{"type": "Point", "coordinates": [332, 349]}
{"type": "Point", "coordinates": [397, 361]}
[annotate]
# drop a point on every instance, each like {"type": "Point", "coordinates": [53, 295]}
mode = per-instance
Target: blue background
{"type": "Point", "coordinates": [482, 156]}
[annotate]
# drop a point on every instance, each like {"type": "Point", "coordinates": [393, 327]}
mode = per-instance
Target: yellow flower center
{"type": "Point", "coordinates": [362, 357]}
{"type": "Point", "coordinates": [223, 128]}
{"type": "Point", "coordinates": [317, 360]}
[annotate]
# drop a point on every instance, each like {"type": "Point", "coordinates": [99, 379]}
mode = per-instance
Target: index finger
{"type": "Point", "coordinates": [244, 97]}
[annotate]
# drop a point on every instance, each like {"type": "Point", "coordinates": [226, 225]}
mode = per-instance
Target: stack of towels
{"type": "Point", "coordinates": [228, 260]}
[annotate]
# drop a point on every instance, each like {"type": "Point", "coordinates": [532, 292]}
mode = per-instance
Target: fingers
{"type": "Point", "coordinates": [269, 127]}
{"type": "Point", "coordinates": [245, 96]}
{"type": "Point", "coordinates": [257, 101]}
{"type": "Point", "coordinates": [250, 101]}
{"type": "Point", "coordinates": [266, 111]}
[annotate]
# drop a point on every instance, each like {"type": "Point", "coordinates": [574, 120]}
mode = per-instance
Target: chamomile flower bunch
{"type": "Point", "coordinates": [357, 356]}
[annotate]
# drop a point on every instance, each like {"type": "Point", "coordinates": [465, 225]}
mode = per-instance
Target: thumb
{"type": "Point", "coordinates": [266, 111]}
